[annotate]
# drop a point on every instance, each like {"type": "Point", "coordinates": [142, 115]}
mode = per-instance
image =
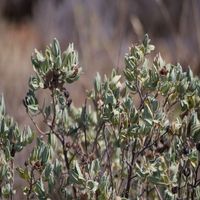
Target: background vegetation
{"type": "Point", "coordinates": [101, 31]}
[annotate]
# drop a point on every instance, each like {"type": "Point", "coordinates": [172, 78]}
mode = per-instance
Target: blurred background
{"type": "Point", "coordinates": [102, 31]}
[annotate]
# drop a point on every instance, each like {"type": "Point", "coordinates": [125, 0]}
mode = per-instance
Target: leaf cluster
{"type": "Point", "coordinates": [136, 136]}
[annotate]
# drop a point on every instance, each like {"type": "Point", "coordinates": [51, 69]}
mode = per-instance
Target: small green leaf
{"type": "Point", "coordinates": [39, 56]}
{"type": "Point", "coordinates": [195, 129]}
{"type": "Point", "coordinates": [40, 190]}
{"type": "Point", "coordinates": [23, 173]}
{"type": "Point", "coordinates": [56, 48]}
{"type": "Point", "coordinates": [92, 185]}
{"type": "Point", "coordinates": [97, 83]}
{"type": "Point", "coordinates": [147, 114]}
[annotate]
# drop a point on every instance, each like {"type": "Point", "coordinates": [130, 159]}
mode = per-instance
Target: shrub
{"type": "Point", "coordinates": [137, 135]}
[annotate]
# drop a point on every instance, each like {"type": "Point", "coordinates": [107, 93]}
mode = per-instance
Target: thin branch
{"type": "Point", "coordinates": [67, 162]}
{"type": "Point", "coordinates": [121, 171]}
{"type": "Point", "coordinates": [166, 99]}
{"type": "Point", "coordinates": [35, 124]}
{"type": "Point", "coordinates": [97, 135]}
{"type": "Point", "coordinates": [142, 98]}
{"type": "Point", "coordinates": [151, 144]}
{"type": "Point", "coordinates": [171, 105]}
{"type": "Point", "coordinates": [130, 171]}
{"type": "Point", "coordinates": [54, 109]}
{"type": "Point", "coordinates": [84, 127]}
{"type": "Point", "coordinates": [12, 179]}
{"type": "Point", "coordinates": [31, 183]}
{"type": "Point", "coordinates": [109, 159]}
{"type": "Point", "coordinates": [158, 193]}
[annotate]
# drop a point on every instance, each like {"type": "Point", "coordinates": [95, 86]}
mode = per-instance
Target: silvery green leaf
{"type": "Point", "coordinates": [190, 74]}
{"type": "Point", "coordinates": [92, 185]}
{"type": "Point", "coordinates": [2, 105]}
{"type": "Point", "coordinates": [172, 74]}
{"type": "Point", "coordinates": [58, 62]}
{"type": "Point", "coordinates": [57, 167]}
{"type": "Point", "coordinates": [131, 86]}
{"type": "Point", "coordinates": [115, 79]}
{"type": "Point", "coordinates": [154, 104]}
{"type": "Point", "coordinates": [195, 129]}
{"type": "Point", "coordinates": [7, 153]}
{"type": "Point", "coordinates": [47, 111]}
{"type": "Point", "coordinates": [6, 190]}
{"type": "Point", "coordinates": [56, 48]}
{"type": "Point", "coordinates": [45, 155]}
{"type": "Point", "coordinates": [23, 173]}
{"type": "Point", "coordinates": [110, 98]}
{"type": "Point", "coordinates": [29, 135]}
{"type": "Point", "coordinates": [184, 105]}
{"type": "Point", "coordinates": [36, 63]}
{"type": "Point", "coordinates": [146, 42]}
{"type": "Point", "coordinates": [2, 123]}
{"type": "Point", "coordinates": [40, 190]}
{"type": "Point", "coordinates": [95, 166]}
{"type": "Point", "coordinates": [39, 56]}
{"type": "Point", "coordinates": [165, 87]}
{"type": "Point", "coordinates": [52, 140]}
{"type": "Point", "coordinates": [97, 83]}
{"type": "Point", "coordinates": [48, 170]}
{"type": "Point", "coordinates": [147, 114]}
{"type": "Point", "coordinates": [73, 75]}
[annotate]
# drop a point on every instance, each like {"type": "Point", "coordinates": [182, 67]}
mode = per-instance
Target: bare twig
{"type": "Point", "coordinates": [84, 126]}
{"type": "Point", "coordinates": [130, 170]}
{"type": "Point", "coordinates": [109, 159]}
{"type": "Point", "coordinates": [99, 128]}
{"type": "Point", "coordinates": [158, 192]}
{"type": "Point", "coordinates": [31, 183]}
{"type": "Point", "coordinates": [35, 124]}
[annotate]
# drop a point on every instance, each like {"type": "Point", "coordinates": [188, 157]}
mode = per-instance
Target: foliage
{"type": "Point", "coordinates": [137, 136]}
